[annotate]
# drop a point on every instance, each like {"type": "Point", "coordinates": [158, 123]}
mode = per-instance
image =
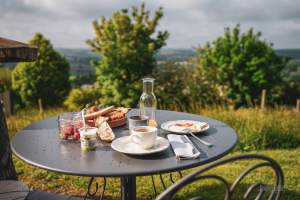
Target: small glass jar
{"type": "Point", "coordinates": [65, 126]}
{"type": "Point", "coordinates": [88, 138]}
{"type": "Point", "coordinates": [69, 125]}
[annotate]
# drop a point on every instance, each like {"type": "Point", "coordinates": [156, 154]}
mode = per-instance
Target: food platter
{"type": "Point", "coordinates": [182, 126]}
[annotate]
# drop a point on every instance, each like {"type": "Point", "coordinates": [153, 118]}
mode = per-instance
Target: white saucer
{"type": "Point", "coordinates": [196, 128]}
{"type": "Point", "coordinates": [124, 145]}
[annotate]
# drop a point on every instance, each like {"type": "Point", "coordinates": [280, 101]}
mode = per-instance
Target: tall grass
{"type": "Point", "coordinates": [276, 128]}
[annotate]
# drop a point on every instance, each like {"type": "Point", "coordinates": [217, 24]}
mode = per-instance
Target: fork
{"type": "Point", "coordinates": [189, 131]}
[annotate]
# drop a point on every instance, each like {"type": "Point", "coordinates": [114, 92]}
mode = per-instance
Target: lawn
{"type": "Point", "coordinates": [275, 133]}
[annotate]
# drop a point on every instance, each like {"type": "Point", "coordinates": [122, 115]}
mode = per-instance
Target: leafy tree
{"type": "Point", "coordinates": [242, 62]}
{"type": "Point", "coordinates": [47, 78]}
{"type": "Point", "coordinates": [127, 47]}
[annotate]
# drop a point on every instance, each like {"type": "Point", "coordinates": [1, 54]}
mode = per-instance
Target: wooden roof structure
{"type": "Point", "coordinates": [14, 51]}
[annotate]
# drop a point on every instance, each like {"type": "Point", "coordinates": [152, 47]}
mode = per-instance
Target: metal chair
{"type": "Point", "coordinates": [275, 190]}
{"type": "Point", "coordinates": [10, 187]}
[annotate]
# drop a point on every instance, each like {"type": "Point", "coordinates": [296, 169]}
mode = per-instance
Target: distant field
{"type": "Point", "coordinates": [80, 59]}
{"type": "Point", "coordinates": [292, 53]}
{"type": "Point", "coordinates": [277, 130]}
{"type": "Point", "coordinates": [165, 54]}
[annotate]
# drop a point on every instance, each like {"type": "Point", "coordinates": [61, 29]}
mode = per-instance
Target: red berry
{"type": "Point", "coordinates": [69, 131]}
{"type": "Point", "coordinates": [76, 136]}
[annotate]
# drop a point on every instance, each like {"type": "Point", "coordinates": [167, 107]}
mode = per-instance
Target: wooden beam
{"type": "Point", "coordinates": [14, 51]}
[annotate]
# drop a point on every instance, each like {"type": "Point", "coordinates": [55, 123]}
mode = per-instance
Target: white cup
{"type": "Point", "coordinates": [144, 136]}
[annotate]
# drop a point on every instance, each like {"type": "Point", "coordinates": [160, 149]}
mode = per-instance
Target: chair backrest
{"type": "Point", "coordinates": [7, 169]}
{"type": "Point", "coordinates": [274, 191]}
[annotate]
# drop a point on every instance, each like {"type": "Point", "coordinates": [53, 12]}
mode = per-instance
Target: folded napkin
{"type": "Point", "coordinates": [183, 147]}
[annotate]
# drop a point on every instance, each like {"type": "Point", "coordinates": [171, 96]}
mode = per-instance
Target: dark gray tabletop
{"type": "Point", "coordinates": [39, 145]}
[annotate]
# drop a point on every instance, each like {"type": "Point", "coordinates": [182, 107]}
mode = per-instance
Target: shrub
{"type": "Point", "coordinates": [80, 97]}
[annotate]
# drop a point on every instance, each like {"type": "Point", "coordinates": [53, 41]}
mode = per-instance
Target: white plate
{"type": "Point", "coordinates": [124, 145]}
{"type": "Point", "coordinates": [172, 127]}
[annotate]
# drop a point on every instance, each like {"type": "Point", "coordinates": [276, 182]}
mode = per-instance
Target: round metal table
{"type": "Point", "coordinates": [39, 145]}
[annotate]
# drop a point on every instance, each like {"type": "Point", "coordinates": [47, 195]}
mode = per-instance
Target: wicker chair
{"type": "Point", "coordinates": [10, 187]}
{"type": "Point", "coordinates": [273, 192]}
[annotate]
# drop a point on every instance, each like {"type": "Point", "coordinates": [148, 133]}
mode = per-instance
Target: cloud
{"type": "Point", "coordinates": [191, 22]}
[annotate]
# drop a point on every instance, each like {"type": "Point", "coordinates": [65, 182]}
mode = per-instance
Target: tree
{"type": "Point", "coordinates": [127, 48]}
{"type": "Point", "coordinates": [244, 63]}
{"type": "Point", "coordinates": [47, 78]}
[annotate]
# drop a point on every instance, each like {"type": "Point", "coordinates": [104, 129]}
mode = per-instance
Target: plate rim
{"type": "Point", "coordinates": [145, 153]}
{"type": "Point", "coordinates": [162, 126]}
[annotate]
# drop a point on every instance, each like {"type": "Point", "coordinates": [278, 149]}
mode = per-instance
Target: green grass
{"type": "Point", "coordinates": [277, 130]}
{"type": "Point", "coordinates": [288, 159]}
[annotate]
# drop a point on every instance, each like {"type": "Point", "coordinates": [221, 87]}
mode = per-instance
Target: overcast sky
{"type": "Point", "coordinates": [67, 23]}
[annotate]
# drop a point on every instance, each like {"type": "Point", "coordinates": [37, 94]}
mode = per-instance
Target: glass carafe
{"type": "Point", "coordinates": [148, 101]}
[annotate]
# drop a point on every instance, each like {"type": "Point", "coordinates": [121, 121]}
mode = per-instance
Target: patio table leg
{"type": "Point", "coordinates": [128, 188]}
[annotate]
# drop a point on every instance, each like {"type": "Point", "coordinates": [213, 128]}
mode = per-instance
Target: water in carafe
{"type": "Point", "coordinates": [148, 101]}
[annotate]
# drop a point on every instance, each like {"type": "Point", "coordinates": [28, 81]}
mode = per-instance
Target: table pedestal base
{"type": "Point", "coordinates": [128, 188]}
{"type": "Point", "coordinates": [93, 194]}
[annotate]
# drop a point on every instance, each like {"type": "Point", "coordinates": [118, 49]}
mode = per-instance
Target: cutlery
{"type": "Point", "coordinates": [189, 131]}
{"type": "Point", "coordinates": [187, 140]}
{"type": "Point", "coordinates": [196, 152]}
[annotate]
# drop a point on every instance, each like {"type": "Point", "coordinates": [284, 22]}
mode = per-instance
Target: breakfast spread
{"type": "Point", "coordinates": [95, 123]}
{"type": "Point", "coordinates": [102, 119]}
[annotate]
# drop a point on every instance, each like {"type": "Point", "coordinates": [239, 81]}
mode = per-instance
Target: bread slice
{"type": "Point", "coordinates": [99, 113]}
{"type": "Point", "coordinates": [104, 132]}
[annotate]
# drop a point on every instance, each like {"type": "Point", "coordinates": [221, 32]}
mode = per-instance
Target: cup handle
{"type": "Point", "coordinates": [134, 136]}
